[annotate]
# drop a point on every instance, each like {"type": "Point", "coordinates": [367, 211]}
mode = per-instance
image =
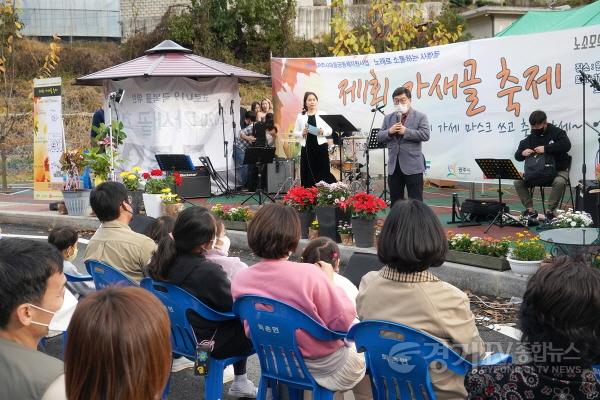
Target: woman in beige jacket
{"type": "Point", "coordinates": [405, 292]}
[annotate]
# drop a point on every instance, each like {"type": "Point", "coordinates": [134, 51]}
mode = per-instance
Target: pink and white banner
{"type": "Point", "coordinates": [477, 95]}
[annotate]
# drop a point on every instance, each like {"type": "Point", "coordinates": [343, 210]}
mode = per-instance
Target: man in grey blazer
{"type": "Point", "coordinates": [403, 131]}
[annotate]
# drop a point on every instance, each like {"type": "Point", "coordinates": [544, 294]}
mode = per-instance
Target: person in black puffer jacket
{"type": "Point", "coordinates": [544, 138]}
{"type": "Point", "coordinates": [181, 260]}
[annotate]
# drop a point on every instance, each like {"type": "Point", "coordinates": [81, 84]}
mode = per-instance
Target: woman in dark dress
{"type": "Point", "coordinates": [314, 156]}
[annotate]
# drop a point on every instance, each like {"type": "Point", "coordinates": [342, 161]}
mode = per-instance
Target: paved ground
{"type": "Point", "coordinates": [440, 199]}
{"type": "Point", "coordinates": [187, 386]}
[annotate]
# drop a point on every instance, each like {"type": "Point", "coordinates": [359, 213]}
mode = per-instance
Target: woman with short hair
{"type": "Point", "coordinates": [119, 346]}
{"type": "Point", "coordinates": [273, 235]}
{"type": "Point", "coordinates": [560, 321]}
{"type": "Point", "coordinates": [411, 242]}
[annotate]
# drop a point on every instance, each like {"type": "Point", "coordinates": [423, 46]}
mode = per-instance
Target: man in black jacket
{"type": "Point", "coordinates": [544, 138]}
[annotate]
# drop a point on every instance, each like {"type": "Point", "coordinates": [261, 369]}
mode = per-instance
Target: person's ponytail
{"type": "Point", "coordinates": [162, 259]}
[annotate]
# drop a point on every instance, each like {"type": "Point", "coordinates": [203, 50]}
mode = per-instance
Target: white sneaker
{"type": "Point", "coordinates": [228, 374]}
{"type": "Point", "coordinates": [246, 389]}
{"type": "Point", "coordinates": [181, 363]}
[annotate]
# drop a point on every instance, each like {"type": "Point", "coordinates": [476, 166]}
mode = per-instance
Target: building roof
{"type": "Point", "coordinates": [169, 59]}
{"type": "Point", "coordinates": [496, 10]}
{"type": "Point", "coordinates": [554, 20]}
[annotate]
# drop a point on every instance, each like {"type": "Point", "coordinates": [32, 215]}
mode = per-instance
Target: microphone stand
{"type": "Point", "coordinates": [594, 84]}
{"type": "Point", "coordinates": [225, 149]}
{"type": "Point", "coordinates": [374, 111]}
{"type": "Point", "coordinates": [233, 129]}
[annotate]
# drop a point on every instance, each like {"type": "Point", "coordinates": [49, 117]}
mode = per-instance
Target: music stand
{"type": "Point", "coordinates": [374, 144]}
{"type": "Point", "coordinates": [259, 156]}
{"type": "Point", "coordinates": [341, 127]}
{"type": "Point", "coordinates": [496, 168]}
{"type": "Point", "coordinates": [174, 162]}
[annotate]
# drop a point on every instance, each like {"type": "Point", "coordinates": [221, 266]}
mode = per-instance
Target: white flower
{"type": "Point", "coordinates": [329, 196]}
{"type": "Point", "coordinates": [342, 198]}
{"type": "Point", "coordinates": [337, 201]}
{"type": "Point", "coordinates": [573, 224]}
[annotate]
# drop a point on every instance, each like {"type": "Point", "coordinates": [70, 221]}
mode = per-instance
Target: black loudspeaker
{"type": "Point", "coordinates": [482, 210]}
{"type": "Point", "coordinates": [591, 199]}
{"type": "Point", "coordinates": [194, 186]}
{"type": "Point", "coordinates": [280, 172]}
{"type": "Point", "coordinates": [359, 264]}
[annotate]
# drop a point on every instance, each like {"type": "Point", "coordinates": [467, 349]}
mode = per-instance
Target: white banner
{"type": "Point", "coordinates": [47, 139]}
{"type": "Point", "coordinates": [175, 116]}
{"type": "Point", "coordinates": [477, 95]}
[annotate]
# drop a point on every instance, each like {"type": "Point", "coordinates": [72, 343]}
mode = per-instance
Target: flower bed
{"type": "Point", "coordinates": [485, 252]}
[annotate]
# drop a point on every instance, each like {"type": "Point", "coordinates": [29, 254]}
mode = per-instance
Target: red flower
{"type": "Point", "coordinates": [300, 197]}
{"type": "Point", "coordinates": [156, 172]}
{"type": "Point", "coordinates": [178, 178]}
{"type": "Point", "coordinates": [146, 175]}
{"type": "Point", "coordinates": [366, 204]}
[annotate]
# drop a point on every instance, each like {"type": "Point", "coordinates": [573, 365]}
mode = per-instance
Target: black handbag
{"type": "Point", "coordinates": [540, 170]}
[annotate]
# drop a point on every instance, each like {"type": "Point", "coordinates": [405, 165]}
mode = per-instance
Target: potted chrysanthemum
{"type": "Point", "coordinates": [526, 254]}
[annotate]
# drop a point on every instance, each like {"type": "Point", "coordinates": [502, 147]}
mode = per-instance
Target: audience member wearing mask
{"type": "Point", "coordinates": [32, 291]}
{"type": "Point", "coordinates": [65, 240]}
{"type": "Point", "coordinates": [220, 253]}
{"type": "Point", "coordinates": [114, 243]}
{"type": "Point", "coordinates": [181, 260]}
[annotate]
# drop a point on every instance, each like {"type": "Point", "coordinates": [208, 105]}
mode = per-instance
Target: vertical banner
{"type": "Point", "coordinates": [47, 139]}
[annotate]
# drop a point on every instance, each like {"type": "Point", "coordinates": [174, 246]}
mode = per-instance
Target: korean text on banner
{"type": "Point", "coordinates": [477, 95]}
{"type": "Point", "coordinates": [47, 139]}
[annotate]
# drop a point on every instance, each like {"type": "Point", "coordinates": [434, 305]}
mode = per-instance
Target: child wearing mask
{"type": "Point", "coordinates": [65, 240]}
{"type": "Point", "coordinates": [219, 254]}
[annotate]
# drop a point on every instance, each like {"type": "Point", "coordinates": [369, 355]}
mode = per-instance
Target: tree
{"type": "Point", "coordinates": [390, 26]}
{"type": "Point", "coordinates": [10, 32]}
{"type": "Point", "coordinates": [235, 29]}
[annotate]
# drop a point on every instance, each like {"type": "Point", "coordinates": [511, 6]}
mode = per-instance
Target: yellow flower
{"type": "Point", "coordinates": [136, 169]}
{"type": "Point", "coordinates": [132, 177]}
{"type": "Point", "coordinates": [519, 234]}
{"type": "Point", "coordinates": [124, 174]}
{"type": "Point", "coordinates": [166, 190]}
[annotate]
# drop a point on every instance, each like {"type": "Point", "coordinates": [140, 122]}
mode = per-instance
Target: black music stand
{"type": "Point", "coordinates": [259, 156]}
{"type": "Point", "coordinates": [341, 128]}
{"type": "Point", "coordinates": [374, 144]}
{"type": "Point", "coordinates": [495, 168]}
{"type": "Point", "coordinates": [174, 162]}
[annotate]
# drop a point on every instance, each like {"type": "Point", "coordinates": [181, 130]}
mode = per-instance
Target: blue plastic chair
{"type": "Point", "coordinates": [273, 325]}
{"type": "Point", "coordinates": [104, 275]}
{"type": "Point", "coordinates": [398, 359]}
{"type": "Point", "coordinates": [178, 302]}
{"type": "Point", "coordinates": [78, 278]}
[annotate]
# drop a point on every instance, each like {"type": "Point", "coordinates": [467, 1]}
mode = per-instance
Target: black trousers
{"type": "Point", "coordinates": [398, 181]}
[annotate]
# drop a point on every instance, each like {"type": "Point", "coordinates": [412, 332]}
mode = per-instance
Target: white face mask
{"type": "Point", "coordinates": [73, 256]}
{"type": "Point", "coordinates": [224, 245]}
{"type": "Point", "coordinates": [61, 318]}
{"type": "Point", "coordinates": [402, 108]}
